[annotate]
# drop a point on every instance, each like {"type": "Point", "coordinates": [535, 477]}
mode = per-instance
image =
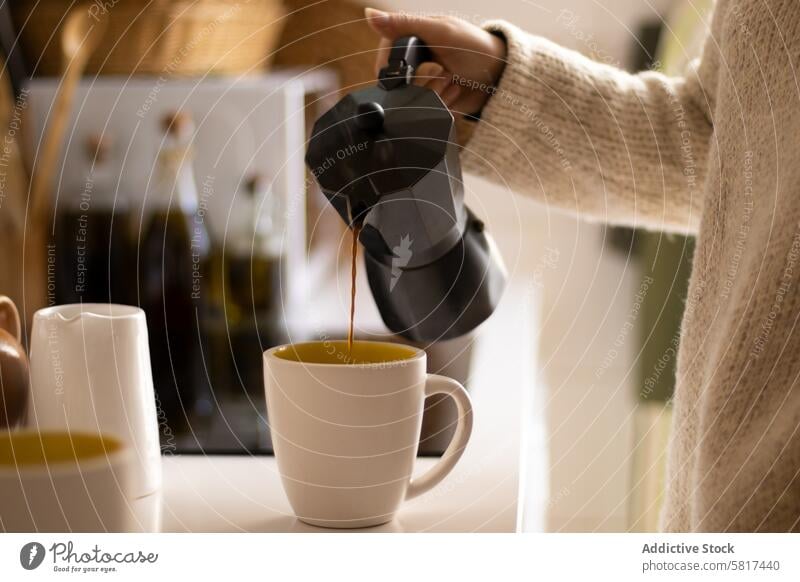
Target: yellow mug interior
{"type": "Point", "coordinates": [30, 449]}
{"type": "Point", "coordinates": [337, 352]}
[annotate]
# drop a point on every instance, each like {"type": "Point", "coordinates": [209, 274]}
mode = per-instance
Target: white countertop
{"type": "Point", "coordinates": [501, 469]}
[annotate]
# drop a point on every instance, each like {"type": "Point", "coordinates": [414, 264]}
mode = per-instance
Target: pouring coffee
{"type": "Point", "coordinates": [386, 158]}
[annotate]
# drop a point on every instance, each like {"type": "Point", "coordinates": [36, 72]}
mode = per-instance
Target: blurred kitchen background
{"type": "Point", "coordinates": [233, 87]}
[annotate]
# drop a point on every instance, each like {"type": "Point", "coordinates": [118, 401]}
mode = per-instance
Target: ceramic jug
{"type": "Point", "coordinates": [90, 372]}
{"type": "Point", "coordinates": [13, 366]}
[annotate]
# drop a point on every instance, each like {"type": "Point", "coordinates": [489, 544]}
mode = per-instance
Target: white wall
{"type": "Point", "coordinates": [587, 291]}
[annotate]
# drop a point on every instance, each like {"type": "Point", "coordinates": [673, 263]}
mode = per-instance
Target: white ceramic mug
{"type": "Point", "coordinates": [90, 372]}
{"type": "Point", "coordinates": [346, 435]}
{"type": "Point", "coordinates": [65, 482]}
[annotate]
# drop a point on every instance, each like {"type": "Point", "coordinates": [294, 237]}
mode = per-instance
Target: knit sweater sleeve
{"type": "Point", "coordinates": [593, 139]}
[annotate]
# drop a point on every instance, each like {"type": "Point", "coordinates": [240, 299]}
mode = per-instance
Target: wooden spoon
{"type": "Point", "coordinates": [80, 36]}
{"type": "Point", "coordinates": [12, 206]}
{"type": "Point", "coordinates": [13, 197]}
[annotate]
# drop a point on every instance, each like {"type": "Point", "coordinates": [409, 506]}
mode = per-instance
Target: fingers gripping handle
{"type": "Point", "coordinates": [406, 55]}
{"type": "Point", "coordinates": [442, 385]}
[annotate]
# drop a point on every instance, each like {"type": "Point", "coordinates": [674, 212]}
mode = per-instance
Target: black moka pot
{"type": "Point", "coordinates": [386, 158]}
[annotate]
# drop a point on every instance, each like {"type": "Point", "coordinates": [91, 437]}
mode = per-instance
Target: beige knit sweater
{"type": "Point", "coordinates": [716, 153]}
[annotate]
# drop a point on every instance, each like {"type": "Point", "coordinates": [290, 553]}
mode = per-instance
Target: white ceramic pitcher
{"type": "Point", "coordinates": [90, 372]}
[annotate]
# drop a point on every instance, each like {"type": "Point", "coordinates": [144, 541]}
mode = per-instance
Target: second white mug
{"type": "Point", "coordinates": [59, 481]}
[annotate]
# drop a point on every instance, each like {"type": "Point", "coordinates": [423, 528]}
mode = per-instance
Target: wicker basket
{"type": "Point", "coordinates": [332, 34]}
{"type": "Point", "coordinates": [160, 37]}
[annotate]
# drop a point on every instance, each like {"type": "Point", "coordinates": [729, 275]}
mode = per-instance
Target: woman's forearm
{"type": "Point", "coordinates": [587, 137]}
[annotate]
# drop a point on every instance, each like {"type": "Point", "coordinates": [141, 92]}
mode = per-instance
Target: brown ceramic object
{"type": "Point", "coordinates": [14, 377]}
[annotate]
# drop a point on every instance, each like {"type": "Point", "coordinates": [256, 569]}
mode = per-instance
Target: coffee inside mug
{"type": "Point", "coordinates": [337, 352]}
{"type": "Point", "coordinates": [30, 449]}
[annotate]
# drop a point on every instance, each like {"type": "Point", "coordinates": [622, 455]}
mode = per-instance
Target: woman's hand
{"type": "Point", "coordinates": [468, 60]}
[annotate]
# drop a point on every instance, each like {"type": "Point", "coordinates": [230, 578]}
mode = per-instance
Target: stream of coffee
{"type": "Point", "coordinates": [356, 230]}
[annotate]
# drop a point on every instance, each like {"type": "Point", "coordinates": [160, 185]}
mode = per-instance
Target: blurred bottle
{"type": "Point", "coordinates": [92, 248]}
{"type": "Point", "coordinates": [254, 260]}
{"type": "Point", "coordinates": [174, 289]}
{"type": "Point", "coordinates": [253, 265]}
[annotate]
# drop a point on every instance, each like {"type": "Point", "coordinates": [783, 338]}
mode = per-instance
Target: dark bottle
{"type": "Point", "coordinates": [254, 259]}
{"type": "Point", "coordinates": [253, 267]}
{"type": "Point", "coordinates": [173, 260]}
{"type": "Point", "coordinates": [92, 249]}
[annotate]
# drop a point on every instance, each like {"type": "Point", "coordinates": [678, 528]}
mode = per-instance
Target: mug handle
{"type": "Point", "coordinates": [436, 384]}
{"type": "Point", "coordinates": [9, 317]}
